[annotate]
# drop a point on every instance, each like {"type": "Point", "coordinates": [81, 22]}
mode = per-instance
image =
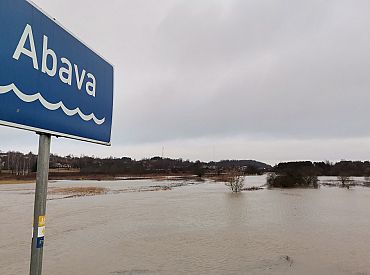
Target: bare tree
{"type": "Point", "coordinates": [235, 181]}
{"type": "Point", "coordinates": [344, 180]}
{"type": "Point", "coordinates": [310, 180]}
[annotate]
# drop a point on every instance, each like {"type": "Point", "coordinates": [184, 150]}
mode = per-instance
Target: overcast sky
{"type": "Point", "coordinates": [271, 80]}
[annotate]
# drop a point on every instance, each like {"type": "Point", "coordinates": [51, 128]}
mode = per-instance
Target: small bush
{"type": "Point", "coordinates": [235, 181]}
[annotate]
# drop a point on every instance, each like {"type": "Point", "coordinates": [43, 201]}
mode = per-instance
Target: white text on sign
{"type": "Point", "coordinates": [65, 71]}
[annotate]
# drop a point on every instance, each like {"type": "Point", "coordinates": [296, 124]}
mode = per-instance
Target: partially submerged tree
{"type": "Point", "coordinates": [235, 181]}
{"type": "Point", "coordinates": [310, 180]}
{"type": "Point", "coordinates": [293, 175]}
{"type": "Point", "coordinates": [344, 179]}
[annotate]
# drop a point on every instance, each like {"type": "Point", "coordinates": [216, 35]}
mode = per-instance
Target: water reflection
{"type": "Point", "coordinates": [235, 205]}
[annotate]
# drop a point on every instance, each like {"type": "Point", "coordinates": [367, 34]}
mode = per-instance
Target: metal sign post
{"type": "Point", "coordinates": [40, 204]}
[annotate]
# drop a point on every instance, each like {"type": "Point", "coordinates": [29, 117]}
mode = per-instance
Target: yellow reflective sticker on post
{"type": "Point", "coordinates": [41, 220]}
{"type": "Point", "coordinates": [41, 231]}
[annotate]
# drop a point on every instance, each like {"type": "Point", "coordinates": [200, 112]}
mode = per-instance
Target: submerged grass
{"type": "Point", "coordinates": [78, 191]}
{"type": "Point", "coordinates": [15, 181]}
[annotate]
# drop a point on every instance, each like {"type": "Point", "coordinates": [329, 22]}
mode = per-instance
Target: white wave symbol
{"type": "Point", "coordinates": [48, 105]}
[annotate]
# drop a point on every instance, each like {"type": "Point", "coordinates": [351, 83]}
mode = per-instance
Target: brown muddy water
{"type": "Point", "coordinates": [191, 229]}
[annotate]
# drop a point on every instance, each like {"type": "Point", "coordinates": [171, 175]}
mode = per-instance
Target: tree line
{"type": "Point", "coordinates": [17, 163]}
{"type": "Point", "coordinates": [305, 173]}
{"type": "Point", "coordinates": [344, 167]}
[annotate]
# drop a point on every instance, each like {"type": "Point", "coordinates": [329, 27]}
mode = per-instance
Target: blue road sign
{"type": "Point", "coordinates": [50, 81]}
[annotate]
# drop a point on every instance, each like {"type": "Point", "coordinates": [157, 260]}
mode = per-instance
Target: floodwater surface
{"type": "Point", "coordinates": [192, 228]}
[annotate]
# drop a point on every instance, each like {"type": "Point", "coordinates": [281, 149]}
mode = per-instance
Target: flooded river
{"type": "Point", "coordinates": [196, 228]}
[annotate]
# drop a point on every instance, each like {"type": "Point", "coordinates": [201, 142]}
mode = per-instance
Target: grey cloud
{"type": "Point", "coordinates": [214, 70]}
{"type": "Point", "coordinates": [275, 68]}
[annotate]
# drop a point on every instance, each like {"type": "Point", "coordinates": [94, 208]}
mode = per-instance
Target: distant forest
{"type": "Point", "coordinates": [341, 168]}
{"type": "Point", "coordinates": [20, 164]}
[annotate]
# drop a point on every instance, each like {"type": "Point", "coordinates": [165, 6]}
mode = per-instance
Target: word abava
{"type": "Point", "coordinates": [65, 71]}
